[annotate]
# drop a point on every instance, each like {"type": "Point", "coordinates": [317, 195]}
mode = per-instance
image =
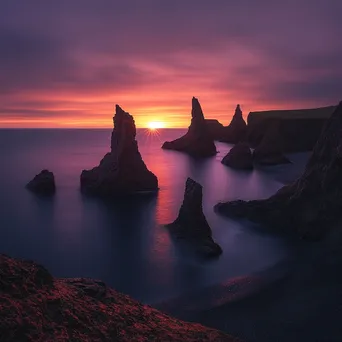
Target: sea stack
{"type": "Point", "coordinates": [122, 170]}
{"type": "Point", "coordinates": [191, 224]}
{"type": "Point", "coordinates": [197, 142]}
{"type": "Point", "coordinates": [237, 129]}
{"type": "Point", "coordinates": [313, 202]}
{"type": "Point", "coordinates": [239, 157]}
{"type": "Point", "coordinates": [269, 151]}
{"type": "Point", "coordinates": [35, 306]}
{"type": "Point", "coordinates": [43, 183]}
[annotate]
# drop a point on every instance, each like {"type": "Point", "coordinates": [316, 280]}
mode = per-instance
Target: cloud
{"type": "Point", "coordinates": [62, 58]}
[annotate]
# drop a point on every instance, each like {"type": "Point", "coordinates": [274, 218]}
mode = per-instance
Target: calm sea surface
{"type": "Point", "coordinates": [125, 243]}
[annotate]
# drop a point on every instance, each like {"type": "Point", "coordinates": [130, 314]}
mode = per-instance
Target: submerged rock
{"type": "Point", "coordinates": [197, 142]}
{"type": "Point", "coordinates": [239, 157]}
{"type": "Point", "coordinates": [34, 306]}
{"type": "Point", "coordinates": [312, 203]}
{"type": "Point", "coordinates": [121, 171]}
{"type": "Point", "coordinates": [43, 183]}
{"type": "Point", "coordinates": [191, 224]}
{"type": "Point", "coordinates": [237, 129]}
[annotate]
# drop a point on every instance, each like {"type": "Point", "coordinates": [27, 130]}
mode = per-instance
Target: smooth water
{"type": "Point", "coordinates": [124, 243]}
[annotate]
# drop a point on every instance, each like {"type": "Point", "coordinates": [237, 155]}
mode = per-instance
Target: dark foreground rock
{"type": "Point", "coordinates": [191, 224]}
{"type": "Point", "coordinates": [197, 142]}
{"type": "Point", "coordinates": [121, 171]}
{"type": "Point", "coordinates": [298, 130]}
{"type": "Point", "coordinates": [35, 307]}
{"type": "Point", "coordinates": [43, 183]}
{"type": "Point", "coordinates": [310, 205]}
{"type": "Point", "coordinates": [239, 157]}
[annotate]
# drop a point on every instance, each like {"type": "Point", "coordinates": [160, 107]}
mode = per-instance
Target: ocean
{"type": "Point", "coordinates": [125, 243]}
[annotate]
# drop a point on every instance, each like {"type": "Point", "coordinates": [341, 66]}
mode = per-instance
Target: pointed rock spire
{"type": "Point", "coordinates": [237, 129]}
{"type": "Point", "coordinates": [122, 170]}
{"type": "Point", "coordinates": [197, 142]}
{"type": "Point", "coordinates": [191, 223]}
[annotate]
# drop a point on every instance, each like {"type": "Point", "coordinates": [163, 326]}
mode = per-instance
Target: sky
{"type": "Point", "coordinates": [66, 63]}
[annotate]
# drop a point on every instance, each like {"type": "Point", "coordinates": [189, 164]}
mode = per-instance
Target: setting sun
{"type": "Point", "coordinates": [155, 124]}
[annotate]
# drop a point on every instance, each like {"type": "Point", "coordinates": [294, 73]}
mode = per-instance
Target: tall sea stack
{"type": "Point", "coordinates": [191, 224]}
{"type": "Point", "coordinates": [197, 142]}
{"type": "Point", "coordinates": [122, 170]}
{"type": "Point", "coordinates": [312, 203]}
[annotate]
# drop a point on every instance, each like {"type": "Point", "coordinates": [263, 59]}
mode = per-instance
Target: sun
{"type": "Point", "coordinates": [153, 125]}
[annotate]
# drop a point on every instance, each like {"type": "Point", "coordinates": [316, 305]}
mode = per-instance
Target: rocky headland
{"type": "Point", "coordinates": [191, 224]}
{"type": "Point", "coordinates": [36, 307]}
{"type": "Point", "coordinates": [310, 205]}
{"type": "Point", "coordinates": [197, 142]}
{"type": "Point", "coordinates": [122, 170]}
{"type": "Point", "coordinates": [297, 130]}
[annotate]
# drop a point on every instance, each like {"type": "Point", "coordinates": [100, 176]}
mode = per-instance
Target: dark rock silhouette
{"type": "Point", "coordinates": [43, 183]}
{"type": "Point", "coordinates": [215, 128]}
{"type": "Point", "coordinates": [197, 142]}
{"type": "Point", "coordinates": [311, 204]}
{"type": "Point", "coordinates": [237, 129]}
{"type": "Point", "coordinates": [121, 171]}
{"type": "Point", "coordinates": [233, 133]}
{"type": "Point", "coordinates": [298, 130]}
{"type": "Point", "coordinates": [239, 157]}
{"type": "Point", "coordinates": [191, 224]}
{"type": "Point", "coordinates": [34, 306]}
{"type": "Point", "coordinates": [269, 151]}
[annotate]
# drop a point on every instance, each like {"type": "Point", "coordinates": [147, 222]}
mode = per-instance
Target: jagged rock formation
{"type": "Point", "coordinates": [269, 151]}
{"type": "Point", "coordinates": [311, 204]}
{"type": "Point", "coordinates": [121, 171]}
{"type": "Point", "coordinates": [197, 142]}
{"type": "Point", "coordinates": [233, 133]}
{"type": "Point", "coordinates": [34, 306]}
{"type": "Point", "coordinates": [191, 224]}
{"type": "Point", "coordinates": [298, 130]}
{"type": "Point", "coordinates": [43, 183]}
{"type": "Point", "coordinates": [239, 157]}
{"type": "Point", "coordinates": [237, 129]}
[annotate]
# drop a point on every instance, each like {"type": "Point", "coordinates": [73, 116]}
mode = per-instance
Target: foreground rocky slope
{"type": "Point", "coordinates": [197, 142]}
{"type": "Point", "coordinates": [191, 224]}
{"type": "Point", "coordinates": [312, 203]}
{"type": "Point", "coordinates": [122, 170]}
{"type": "Point", "coordinates": [36, 307]}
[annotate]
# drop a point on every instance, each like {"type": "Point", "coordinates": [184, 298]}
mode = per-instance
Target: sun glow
{"type": "Point", "coordinates": [153, 125]}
